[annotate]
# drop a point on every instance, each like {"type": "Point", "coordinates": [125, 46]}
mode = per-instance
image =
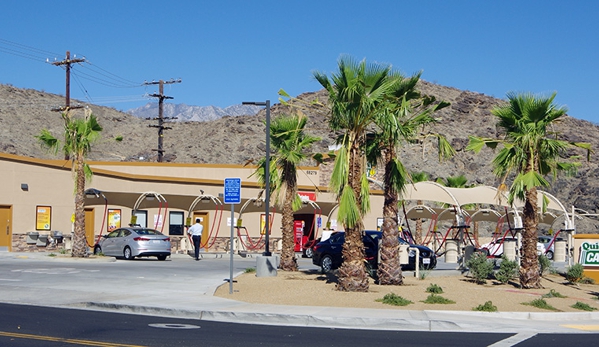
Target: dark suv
{"type": "Point", "coordinates": [328, 253]}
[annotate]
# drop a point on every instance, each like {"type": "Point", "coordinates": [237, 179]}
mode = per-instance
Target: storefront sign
{"type": "Point", "coordinates": [589, 255]}
{"type": "Point", "coordinates": [307, 196]}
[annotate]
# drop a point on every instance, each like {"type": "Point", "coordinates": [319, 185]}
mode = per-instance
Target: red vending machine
{"type": "Point", "coordinates": [298, 232]}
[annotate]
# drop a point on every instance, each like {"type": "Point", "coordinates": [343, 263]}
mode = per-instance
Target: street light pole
{"type": "Point", "coordinates": [266, 173]}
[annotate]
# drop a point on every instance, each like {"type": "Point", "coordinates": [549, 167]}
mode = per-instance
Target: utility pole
{"type": "Point", "coordinates": [161, 97]}
{"type": "Point", "coordinates": [67, 62]}
{"type": "Point", "coordinates": [67, 104]}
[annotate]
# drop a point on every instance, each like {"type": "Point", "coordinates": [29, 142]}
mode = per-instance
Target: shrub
{"type": "Point", "coordinates": [480, 267]}
{"type": "Point", "coordinates": [486, 307]}
{"type": "Point", "coordinates": [544, 264]}
{"type": "Point", "coordinates": [437, 299]}
{"type": "Point", "coordinates": [540, 303]}
{"type": "Point", "coordinates": [582, 306]}
{"type": "Point", "coordinates": [587, 280]}
{"type": "Point", "coordinates": [575, 273]}
{"type": "Point", "coordinates": [508, 270]}
{"type": "Point", "coordinates": [553, 294]}
{"type": "Point", "coordinates": [394, 299]}
{"type": "Point", "coordinates": [435, 289]}
{"type": "Point", "coordinates": [250, 270]}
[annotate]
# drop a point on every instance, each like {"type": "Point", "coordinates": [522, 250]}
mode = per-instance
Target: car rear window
{"type": "Point", "coordinates": [148, 232]}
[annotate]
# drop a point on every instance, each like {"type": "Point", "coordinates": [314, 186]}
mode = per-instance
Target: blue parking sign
{"type": "Point", "coordinates": [232, 190]}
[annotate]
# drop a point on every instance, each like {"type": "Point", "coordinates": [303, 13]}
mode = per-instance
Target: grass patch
{"type": "Point", "coordinates": [394, 299]}
{"type": "Point", "coordinates": [582, 306]}
{"type": "Point", "coordinates": [553, 294]}
{"type": "Point", "coordinates": [250, 270]}
{"type": "Point", "coordinates": [51, 255]}
{"type": "Point", "coordinates": [435, 289]}
{"type": "Point", "coordinates": [486, 307]}
{"type": "Point", "coordinates": [423, 274]}
{"type": "Point", "coordinates": [540, 303]}
{"type": "Point", "coordinates": [437, 299]}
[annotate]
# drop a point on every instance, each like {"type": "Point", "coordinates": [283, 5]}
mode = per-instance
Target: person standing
{"type": "Point", "coordinates": [196, 235]}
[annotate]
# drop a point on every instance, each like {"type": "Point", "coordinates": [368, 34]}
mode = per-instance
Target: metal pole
{"type": "Point", "coordinates": [267, 179]}
{"type": "Point", "coordinates": [231, 250]}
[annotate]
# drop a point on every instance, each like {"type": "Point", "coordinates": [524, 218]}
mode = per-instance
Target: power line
{"type": "Point", "coordinates": [25, 51]}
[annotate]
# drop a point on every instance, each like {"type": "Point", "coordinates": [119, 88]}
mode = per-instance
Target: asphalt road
{"type": "Point", "coordinates": [43, 326]}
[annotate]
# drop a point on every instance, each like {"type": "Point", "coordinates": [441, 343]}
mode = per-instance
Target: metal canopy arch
{"type": "Point", "coordinates": [159, 198]}
{"type": "Point", "coordinates": [202, 198]}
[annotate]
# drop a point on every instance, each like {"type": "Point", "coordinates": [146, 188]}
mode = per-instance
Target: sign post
{"type": "Point", "coordinates": [232, 196]}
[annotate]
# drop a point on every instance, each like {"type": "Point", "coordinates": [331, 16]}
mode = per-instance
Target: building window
{"type": "Point", "coordinates": [175, 223]}
{"type": "Point", "coordinates": [140, 218]}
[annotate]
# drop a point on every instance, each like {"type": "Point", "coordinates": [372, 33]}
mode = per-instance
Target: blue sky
{"type": "Point", "coordinates": [227, 52]}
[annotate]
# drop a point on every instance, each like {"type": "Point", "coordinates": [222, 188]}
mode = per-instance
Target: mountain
{"type": "Point", "coordinates": [241, 139]}
{"type": "Point", "coordinates": [186, 113]}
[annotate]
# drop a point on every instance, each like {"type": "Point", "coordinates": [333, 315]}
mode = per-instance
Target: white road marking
{"type": "Point", "coordinates": [513, 340]}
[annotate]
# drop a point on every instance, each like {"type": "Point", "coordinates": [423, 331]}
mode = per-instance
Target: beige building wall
{"type": "Point", "coordinates": [177, 186]}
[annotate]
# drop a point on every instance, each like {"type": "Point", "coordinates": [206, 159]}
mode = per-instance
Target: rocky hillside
{"type": "Point", "coordinates": [241, 139]}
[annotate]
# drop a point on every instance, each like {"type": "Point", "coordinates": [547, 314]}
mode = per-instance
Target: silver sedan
{"type": "Point", "coordinates": [134, 242]}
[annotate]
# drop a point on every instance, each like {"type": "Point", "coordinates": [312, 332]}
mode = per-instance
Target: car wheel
{"type": "Point", "coordinates": [309, 252]}
{"type": "Point", "coordinates": [97, 250]}
{"type": "Point", "coordinates": [326, 264]}
{"type": "Point", "coordinates": [127, 253]}
{"type": "Point", "coordinates": [161, 257]}
{"type": "Point", "coordinates": [549, 255]}
{"type": "Point", "coordinates": [485, 251]}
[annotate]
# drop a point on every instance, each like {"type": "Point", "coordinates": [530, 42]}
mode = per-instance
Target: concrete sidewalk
{"type": "Point", "coordinates": [189, 297]}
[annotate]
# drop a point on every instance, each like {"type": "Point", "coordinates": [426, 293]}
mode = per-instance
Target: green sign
{"type": "Point", "coordinates": [589, 254]}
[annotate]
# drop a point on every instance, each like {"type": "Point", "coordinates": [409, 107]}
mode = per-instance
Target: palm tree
{"type": "Point", "coordinates": [289, 143]}
{"type": "Point", "coordinates": [79, 134]}
{"type": "Point", "coordinates": [531, 151]}
{"type": "Point", "coordinates": [356, 97]}
{"type": "Point", "coordinates": [406, 112]}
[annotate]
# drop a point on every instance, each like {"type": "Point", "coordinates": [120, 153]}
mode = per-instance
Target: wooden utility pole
{"type": "Point", "coordinates": [68, 62]}
{"type": "Point", "coordinates": [161, 97]}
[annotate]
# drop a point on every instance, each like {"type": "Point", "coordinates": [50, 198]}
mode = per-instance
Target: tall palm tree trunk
{"type": "Point", "coordinates": [389, 271]}
{"type": "Point", "coordinates": [79, 240]}
{"type": "Point", "coordinates": [529, 268]}
{"type": "Point", "coordinates": [288, 259]}
{"type": "Point", "coordinates": [352, 273]}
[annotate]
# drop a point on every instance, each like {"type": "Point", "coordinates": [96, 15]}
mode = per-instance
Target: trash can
{"type": "Point", "coordinates": [57, 236]}
{"type": "Point", "coordinates": [42, 241]}
{"type": "Point", "coordinates": [560, 251]}
{"type": "Point", "coordinates": [509, 249]}
{"type": "Point", "coordinates": [468, 252]}
{"type": "Point", "coordinates": [404, 254]}
{"type": "Point", "coordinates": [32, 237]}
{"type": "Point", "coordinates": [451, 251]}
